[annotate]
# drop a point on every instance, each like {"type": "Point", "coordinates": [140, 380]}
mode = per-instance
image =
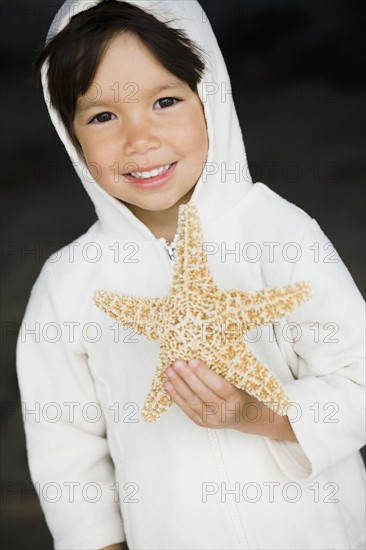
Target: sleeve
{"type": "Point", "coordinates": [68, 455]}
{"type": "Point", "coordinates": [328, 338]}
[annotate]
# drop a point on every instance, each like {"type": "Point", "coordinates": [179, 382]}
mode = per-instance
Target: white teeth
{"type": "Point", "coordinates": [152, 173]}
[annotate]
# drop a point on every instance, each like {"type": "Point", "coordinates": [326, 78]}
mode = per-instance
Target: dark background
{"type": "Point", "coordinates": [296, 69]}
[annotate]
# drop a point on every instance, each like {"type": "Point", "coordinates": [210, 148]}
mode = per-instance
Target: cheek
{"type": "Point", "coordinates": [97, 152]}
{"type": "Point", "coordinates": [193, 137]}
{"type": "Point", "coordinates": [98, 161]}
{"type": "Point", "coordinates": [95, 149]}
{"type": "Point", "coordinates": [99, 158]}
{"type": "Point", "coordinates": [200, 142]}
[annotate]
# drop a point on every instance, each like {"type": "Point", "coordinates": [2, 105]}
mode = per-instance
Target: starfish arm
{"type": "Point", "coordinates": [191, 272]}
{"type": "Point", "coordinates": [251, 375]}
{"type": "Point", "coordinates": [158, 400]}
{"type": "Point", "coordinates": [267, 305]}
{"type": "Point", "coordinates": [139, 314]}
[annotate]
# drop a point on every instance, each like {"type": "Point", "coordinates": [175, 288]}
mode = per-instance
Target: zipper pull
{"type": "Point", "coordinates": [169, 247]}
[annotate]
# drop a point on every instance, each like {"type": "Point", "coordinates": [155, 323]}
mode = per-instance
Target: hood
{"type": "Point", "coordinates": [225, 179]}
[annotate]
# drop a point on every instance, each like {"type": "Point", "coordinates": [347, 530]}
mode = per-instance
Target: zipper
{"type": "Point", "coordinates": [169, 247]}
{"type": "Point", "coordinates": [233, 510]}
{"type": "Point", "coordinates": [215, 446]}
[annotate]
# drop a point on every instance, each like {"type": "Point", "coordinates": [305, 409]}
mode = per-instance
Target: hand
{"type": "Point", "coordinates": [207, 399]}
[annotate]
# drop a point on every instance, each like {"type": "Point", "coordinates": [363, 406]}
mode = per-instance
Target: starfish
{"type": "Point", "coordinates": [185, 321]}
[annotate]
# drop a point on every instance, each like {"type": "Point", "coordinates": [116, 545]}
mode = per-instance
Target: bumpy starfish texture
{"type": "Point", "coordinates": [199, 320]}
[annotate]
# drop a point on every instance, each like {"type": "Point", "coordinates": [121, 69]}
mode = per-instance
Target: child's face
{"type": "Point", "coordinates": [137, 128]}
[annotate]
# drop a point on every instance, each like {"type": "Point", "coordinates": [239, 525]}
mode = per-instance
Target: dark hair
{"type": "Point", "coordinates": [77, 50]}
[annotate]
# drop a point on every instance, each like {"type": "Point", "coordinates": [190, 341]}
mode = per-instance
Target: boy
{"type": "Point", "coordinates": [133, 99]}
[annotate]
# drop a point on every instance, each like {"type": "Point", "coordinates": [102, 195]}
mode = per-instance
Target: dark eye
{"type": "Point", "coordinates": [101, 117]}
{"type": "Point", "coordinates": [166, 102]}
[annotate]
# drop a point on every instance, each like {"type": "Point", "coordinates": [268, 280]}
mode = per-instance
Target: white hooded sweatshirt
{"type": "Point", "coordinates": [104, 475]}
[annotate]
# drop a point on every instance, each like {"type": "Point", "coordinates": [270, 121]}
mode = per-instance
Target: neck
{"type": "Point", "coordinates": [162, 223]}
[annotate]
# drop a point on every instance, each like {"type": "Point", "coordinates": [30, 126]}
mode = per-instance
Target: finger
{"type": "Point", "coordinates": [182, 389]}
{"type": "Point", "coordinates": [178, 400]}
{"type": "Point", "coordinates": [197, 386]}
{"type": "Point", "coordinates": [217, 384]}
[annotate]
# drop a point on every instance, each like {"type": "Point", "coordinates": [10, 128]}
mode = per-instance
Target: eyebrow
{"type": "Point", "coordinates": [84, 105]}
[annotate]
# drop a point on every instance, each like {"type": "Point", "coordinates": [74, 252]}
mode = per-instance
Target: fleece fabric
{"type": "Point", "coordinates": [103, 475]}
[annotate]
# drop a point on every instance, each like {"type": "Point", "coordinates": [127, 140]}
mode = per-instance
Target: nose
{"type": "Point", "coordinates": [141, 136]}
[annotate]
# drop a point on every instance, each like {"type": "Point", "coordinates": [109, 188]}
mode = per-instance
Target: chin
{"type": "Point", "coordinates": [160, 203]}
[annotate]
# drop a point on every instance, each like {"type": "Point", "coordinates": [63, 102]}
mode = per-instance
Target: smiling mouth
{"type": "Point", "coordinates": [147, 179]}
{"type": "Point", "coordinates": [147, 174]}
